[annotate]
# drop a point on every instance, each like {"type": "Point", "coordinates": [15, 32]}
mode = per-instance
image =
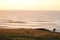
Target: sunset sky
{"type": "Point", "coordinates": [29, 4]}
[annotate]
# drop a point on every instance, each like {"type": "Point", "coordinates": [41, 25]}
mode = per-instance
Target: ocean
{"type": "Point", "coordinates": [30, 19]}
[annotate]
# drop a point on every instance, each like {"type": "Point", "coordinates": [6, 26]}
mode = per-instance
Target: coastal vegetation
{"type": "Point", "coordinates": [28, 34]}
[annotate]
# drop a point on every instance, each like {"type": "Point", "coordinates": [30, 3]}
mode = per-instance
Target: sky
{"type": "Point", "coordinates": [29, 4]}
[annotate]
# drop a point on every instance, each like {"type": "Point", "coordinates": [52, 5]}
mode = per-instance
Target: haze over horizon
{"type": "Point", "coordinates": [29, 4]}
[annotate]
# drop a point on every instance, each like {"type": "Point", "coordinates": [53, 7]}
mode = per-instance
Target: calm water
{"type": "Point", "coordinates": [30, 19]}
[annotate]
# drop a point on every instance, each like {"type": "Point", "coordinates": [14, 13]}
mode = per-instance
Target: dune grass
{"type": "Point", "coordinates": [26, 34]}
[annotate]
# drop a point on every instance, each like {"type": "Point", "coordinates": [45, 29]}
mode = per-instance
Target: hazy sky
{"type": "Point", "coordinates": [29, 4]}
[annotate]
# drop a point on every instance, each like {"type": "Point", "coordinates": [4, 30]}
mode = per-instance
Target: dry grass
{"type": "Point", "coordinates": [33, 32]}
{"type": "Point", "coordinates": [29, 34]}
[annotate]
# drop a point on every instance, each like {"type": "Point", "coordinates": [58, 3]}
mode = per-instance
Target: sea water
{"type": "Point", "coordinates": [30, 19]}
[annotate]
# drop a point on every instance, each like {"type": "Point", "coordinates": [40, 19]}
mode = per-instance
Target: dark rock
{"type": "Point", "coordinates": [43, 29]}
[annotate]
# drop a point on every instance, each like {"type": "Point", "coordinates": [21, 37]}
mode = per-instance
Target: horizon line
{"type": "Point", "coordinates": [29, 10]}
